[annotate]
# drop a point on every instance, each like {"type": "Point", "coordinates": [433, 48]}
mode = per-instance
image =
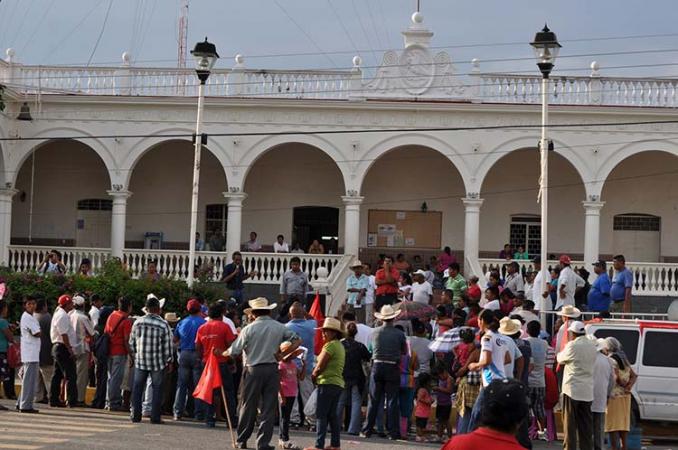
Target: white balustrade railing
{"type": "Point", "coordinates": [336, 285]}
{"type": "Point", "coordinates": [660, 279]}
{"type": "Point", "coordinates": [29, 258]}
{"type": "Point", "coordinates": [269, 267]}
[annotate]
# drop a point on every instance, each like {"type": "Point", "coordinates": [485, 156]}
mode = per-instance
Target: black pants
{"type": "Point", "coordinates": [285, 413]}
{"type": "Point", "coordinates": [577, 424]}
{"type": "Point", "coordinates": [101, 371]}
{"type": "Point", "coordinates": [385, 299]}
{"type": "Point", "coordinates": [64, 367]}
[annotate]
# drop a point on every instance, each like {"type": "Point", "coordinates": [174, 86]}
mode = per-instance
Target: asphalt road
{"type": "Point", "coordinates": [94, 429]}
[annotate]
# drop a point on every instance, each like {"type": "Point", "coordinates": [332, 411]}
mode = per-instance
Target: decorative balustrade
{"type": "Point", "coordinates": [29, 258]}
{"type": "Point", "coordinates": [269, 267]}
{"type": "Point", "coordinates": [333, 84]}
{"type": "Point", "coordinates": [660, 279]}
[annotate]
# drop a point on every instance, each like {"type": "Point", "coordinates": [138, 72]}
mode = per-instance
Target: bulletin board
{"type": "Point", "coordinates": [404, 229]}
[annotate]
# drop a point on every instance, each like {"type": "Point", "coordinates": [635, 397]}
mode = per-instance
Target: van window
{"type": "Point", "coordinates": [655, 340]}
{"type": "Point", "coordinates": [628, 339]}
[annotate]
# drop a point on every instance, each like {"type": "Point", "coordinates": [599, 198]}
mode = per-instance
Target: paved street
{"type": "Point", "coordinates": [85, 428]}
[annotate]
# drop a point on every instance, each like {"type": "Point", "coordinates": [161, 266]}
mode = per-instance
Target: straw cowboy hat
{"type": "Point", "coordinates": [508, 326]}
{"type": "Point", "coordinates": [286, 345]}
{"type": "Point", "coordinates": [357, 263]}
{"type": "Point", "coordinates": [569, 311]}
{"type": "Point", "coordinates": [161, 301]}
{"type": "Point", "coordinates": [387, 312]}
{"type": "Point", "coordinates": [260, 303]}
{"type": "Point", "coordinates": [171, 317]}
{"type": "Point", "coordinates": [333, 324]}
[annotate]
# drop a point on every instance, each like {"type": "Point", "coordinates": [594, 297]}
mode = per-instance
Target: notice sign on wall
{"type": "Point", "coordinates": [411, 229]}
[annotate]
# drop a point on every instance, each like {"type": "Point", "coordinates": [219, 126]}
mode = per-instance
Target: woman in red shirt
{"type": "Point", "coordinates": [503, 410]}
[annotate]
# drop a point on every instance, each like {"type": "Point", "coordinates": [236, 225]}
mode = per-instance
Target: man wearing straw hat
{"type": "Point", "coordinates": [388, 345]}
{"type": "Point", "coordinates": [260, 341]}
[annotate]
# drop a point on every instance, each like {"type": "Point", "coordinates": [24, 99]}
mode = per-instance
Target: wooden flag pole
{"type": "Point", "coordinates": [228, 416]}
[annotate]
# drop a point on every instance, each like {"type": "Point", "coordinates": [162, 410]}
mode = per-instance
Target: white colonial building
{"type": "Point", "coordinates": [411, 160]}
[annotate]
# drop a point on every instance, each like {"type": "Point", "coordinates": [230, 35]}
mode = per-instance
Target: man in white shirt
{"type": "Point", "coordinates": [63, 338]}
{"type": "Point", "coordinates": [253, 245]}
{"type": "Point", "coordinates": [603, 382]}
{"type": "Point", "coordinates": [568, 282]}
{"type": "Point", "coordinates": [280, 246]}
{"type": "Point", "coordinates": [422, 291]}
{"type": "Point", "coordinates": [514, 279]}
{"type": "Point", "coordinates": [95, 311]}
{"type": "Point", "coordinates": [578, 357]}
{"type": "Point", "coordinates": [229, 305]}
{"type": "Point", "coordinates": [30, 356]}
{"type": "Point", "coordinates": [369, 295]}
{"type": "Point", "coordinates": [83, 331]}
{"type": "Point", "coordinates": [541, 303]}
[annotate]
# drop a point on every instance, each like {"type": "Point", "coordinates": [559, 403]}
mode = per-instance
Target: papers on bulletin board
{"type": "Point", "coordinates": [371, 239]}
{"type": "Point", "coordinates": [401, 215]}
{"type": "Point", "coordinates": [386, 229]}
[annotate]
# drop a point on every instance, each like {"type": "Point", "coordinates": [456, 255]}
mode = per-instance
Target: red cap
{"type": "Point", "coordinates": [564, 259]}
{"type": "Point", "coordinates": [65, 300]}
{"type": "Point", "coordinates": [193, 306]}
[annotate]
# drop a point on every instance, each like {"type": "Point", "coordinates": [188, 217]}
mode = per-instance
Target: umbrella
{"type": "Point", "coordinates": [414, 310]}
{"type": "Point", "coordinates": [446, 342]}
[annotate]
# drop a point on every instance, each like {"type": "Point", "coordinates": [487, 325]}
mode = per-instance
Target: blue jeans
{"type": "Point", "coordinates": [139, 388]}
{"type": "Point", "coordinates": [116, 371]}
{"type": "Point", "coordinates": [464, 421]}
{"type": "Point", "coordinates": [384, 382]}
{"type": "Point", "coordinates": [189, 371]}
{"type": "Point", "coordinates": [351, 397]}
{"type": "Point", "coordinates": [326, 414]}
{"type": "Point", "coordinates": [475, 412]}
{"type": "Point", "coordinates": [229, 390]}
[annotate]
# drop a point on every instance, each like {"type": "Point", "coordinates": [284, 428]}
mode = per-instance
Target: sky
{"type": "Point", "coordinates": [328, 33]}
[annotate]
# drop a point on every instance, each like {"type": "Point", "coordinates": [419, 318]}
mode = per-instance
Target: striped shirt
{"type": "Point", "coordinates": [151, 342]}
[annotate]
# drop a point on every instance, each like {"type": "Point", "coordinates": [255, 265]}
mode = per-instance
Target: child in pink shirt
{"type": "Point", "coordinates": [290, 374]}
{"type": "Point", "coordinates": [422, 409]}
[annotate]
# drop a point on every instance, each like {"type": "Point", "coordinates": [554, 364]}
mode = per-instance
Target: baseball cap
{"type": "Point", "coordinates": [577, 327]}
{"type": "Point", "coordinates": [600, 263]}
{"type": "Point", "coordinates": [78, 300]}
{"type": "Point", "coordinates": [193, 306]}
{"type": "Point", "coordinates": [65, 300]}
{"type": "Point", "coordinates": [564, 259]}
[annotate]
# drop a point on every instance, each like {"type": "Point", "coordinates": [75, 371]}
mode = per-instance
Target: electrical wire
{"type": "Point", "coordinates": [38, 27]}
{"type": "Point", "coordinates": [310, 39]}
{"type": "Point", "coordinates": [101, 33]}
{"type": "Point", "coordinates": [343, 26]}
{"type": "Point", "coordinates": [146, 28]}
{"type": "Point", "coordinates": [358, 16]}
{"type": "Point", "coordinates": [22, 22]}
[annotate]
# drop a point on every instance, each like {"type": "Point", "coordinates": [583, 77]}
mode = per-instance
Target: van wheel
{"type": "Point", "coordinates": [635, 413]}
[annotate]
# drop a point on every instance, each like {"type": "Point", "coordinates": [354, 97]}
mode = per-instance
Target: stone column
{"type": "Point", "coordinates": [118, 221]}
{"type": "Point", "coordinates": [5, 223]}
{"type": "Point", "coordinates": [234, 221]}
{"type": "Point", "coordinates": [352, 224]}
{"type": "Point", "coordinates": [592, 230]}
{"type": "Point", "coordinates": [472, 206]}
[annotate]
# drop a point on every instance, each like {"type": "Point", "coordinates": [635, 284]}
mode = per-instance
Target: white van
{"type": "Point", "coordinates": [652, 349]}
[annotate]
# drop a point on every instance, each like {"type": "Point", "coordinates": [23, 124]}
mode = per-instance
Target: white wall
{"type": "Point", "coordinates": [406, 177]}
{"type": "Point", "coordinates": [65, 172]}
{"type": "Point", "coordinates": [510, 188]}
{"type": "Point", "coordinates": [285, 177]}
{"type": "Point", "coordinates": [161, 192]}
{"type": "Point", "coordinates": [646, 183]}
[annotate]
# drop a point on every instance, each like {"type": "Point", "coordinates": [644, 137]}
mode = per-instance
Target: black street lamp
{"type": "Point", "coordinates": [546, 49]}
{"type": "Point", "coordinates": [205, 55]}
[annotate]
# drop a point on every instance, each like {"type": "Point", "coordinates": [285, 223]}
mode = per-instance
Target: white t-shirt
{"type": "Point", "coordinates": [421, 292]}
{"type": "Point", "coordinates": [61, 324]}
{"type": "Point", "coordinates": [83, 327]}
{"type": "Point", "coordinates": [231, 325]}
{"type": "Point", "coordinates": [603, 381]}
{"type": "Point", "coordinates": [94, 314]}
{"type": "Point", "coordinates": [493, 305]}
{"type": "Point", "coordinates": [406, 291]}
{"type": "Point", "coordinates": [496, 345]}
{"type": "Point", "coordinates": [514, 351]}
{"type": "Point", "coordinates": [540, 303]}
{"type": "Point", "coordinates": [30, 344]}
{"type": "Point", "coordinates": [568, 279]}
{"type": "Point", "coordinates": [369, 295]}
{"type": "Point", "coordinates": [281, 248]}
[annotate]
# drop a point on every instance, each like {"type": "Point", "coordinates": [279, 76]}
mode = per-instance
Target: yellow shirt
{"type": "Point", "coordinates": [578, 357]}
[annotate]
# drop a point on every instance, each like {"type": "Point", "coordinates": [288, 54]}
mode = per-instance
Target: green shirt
{"type": "Point", "coordinates": [334, 370]}
{"type": "Point", "coordinates": [457, 285]}
{"type": "Point", "coordinates": [518, 255]}
{"type": "Point", "coordinates": [3, 339]}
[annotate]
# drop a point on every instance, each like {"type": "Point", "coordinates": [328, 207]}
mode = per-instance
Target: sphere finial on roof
{"type": "Point", "coordinates": [126, 57]}
{"type": "Point", "coordinates": [10, 54]}
{"type": "Point", "coordinates": [417, 17]}
{"type": "Point", "coordinates": [239, 59]}
{"type": "Point", "coordinates": [357, 61]}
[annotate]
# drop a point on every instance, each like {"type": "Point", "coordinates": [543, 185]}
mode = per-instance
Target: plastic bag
{"type": "Point", "coordinates": [311, 403]}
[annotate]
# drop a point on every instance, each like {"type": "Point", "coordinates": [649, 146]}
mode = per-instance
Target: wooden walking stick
{"type": "Point", "coordinates": [228, 416]}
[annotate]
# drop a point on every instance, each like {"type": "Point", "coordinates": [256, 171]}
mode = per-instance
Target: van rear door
{"type": "Point", "coordinates": [658, 374]}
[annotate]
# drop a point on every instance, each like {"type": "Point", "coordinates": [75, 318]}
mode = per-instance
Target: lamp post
{"type": "Point", "coordinates": [205, 55]}
{"type": "Point", "coordinates": [546, 48]}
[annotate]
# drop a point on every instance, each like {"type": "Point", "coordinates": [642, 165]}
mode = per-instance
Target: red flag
{"type": "Point", "coordinates": [209, 380]}
{"type": "Point", "coordinates": [317, 313]}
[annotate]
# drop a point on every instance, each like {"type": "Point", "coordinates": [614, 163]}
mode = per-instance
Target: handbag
{"type": "Point", "coordinates": [102, 345]}
{"type": "Point", "coordinates": [14, 356]}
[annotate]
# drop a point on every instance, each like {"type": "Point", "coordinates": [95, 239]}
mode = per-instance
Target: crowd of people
{"type": "Point", "coordinates": [396, 362]}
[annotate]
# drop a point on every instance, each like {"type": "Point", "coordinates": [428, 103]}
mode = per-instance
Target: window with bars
{"type": "Point", "coordinates": [637, 222]}
{"type": "Point", "coordinates": [215, 219]}
{"type": "Point", "coordinates": [95, 204]}
{"type": "Point", "coordinates": [525, 231]}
